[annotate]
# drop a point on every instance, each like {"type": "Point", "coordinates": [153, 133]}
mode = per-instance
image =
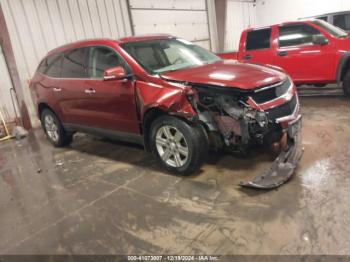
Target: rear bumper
{"type": "Point", "coordinates": [285, 164]}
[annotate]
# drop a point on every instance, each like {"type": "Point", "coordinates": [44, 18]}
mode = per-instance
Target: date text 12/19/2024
{"type": "Point", "coordinates": [174, 258]}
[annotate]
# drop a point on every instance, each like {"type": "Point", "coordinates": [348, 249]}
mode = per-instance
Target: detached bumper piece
{"type": "Point", "coordinates": [282, 168]}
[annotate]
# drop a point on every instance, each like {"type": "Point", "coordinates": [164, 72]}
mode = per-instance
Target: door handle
{"type": "Point", "coordinates": [57, 89]}
{"type": "Point", "coordinates": [247, 57]}
{"type": "Point", "coordinates": [282, 53]}
{"type": "Point", "coordinates": [90, 91]}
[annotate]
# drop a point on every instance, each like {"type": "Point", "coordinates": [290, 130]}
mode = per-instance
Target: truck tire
{"type": "Point", "coordinates": [346, 83]}
{"type": "Point", "coordinates": [55, 132]}
{"type": "Point", "coordinates": [178, 146]}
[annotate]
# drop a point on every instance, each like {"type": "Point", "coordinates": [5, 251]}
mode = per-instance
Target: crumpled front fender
{"type": "Point", "coordinates": [168, 99]}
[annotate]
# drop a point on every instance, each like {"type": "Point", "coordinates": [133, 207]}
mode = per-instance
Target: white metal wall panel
{"type": "Point", "coordinates": [169, 4]}
{"type": "Point", "coordinates": [37, 26]}
{"type": "Point", "coordinates": [240, 16]}
{"type": "Point", "coordinates": [183, 18]}
{"type": "Point", "coordinates": [277, 11]}
{"type": "Point", "coordinates": [5, 95]}
{"type": "Point", "coordinates": [214, 40]}
{"type": "Point", "coordinates": [85, 17]}
{"type": "Point", "coordinates": [95, 18]}
{"type": "Point", "coordinates": [76, 19]}
{"type": "Point", "coordinates": [47, 32]}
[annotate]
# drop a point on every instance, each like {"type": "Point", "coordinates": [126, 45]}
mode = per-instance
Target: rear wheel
{"type": "Point", "coordinates": [54, 130]}
{"type": "Point", "coordinates": [178, 146]}
{"type": "Point", "coordinates": [346, 83]}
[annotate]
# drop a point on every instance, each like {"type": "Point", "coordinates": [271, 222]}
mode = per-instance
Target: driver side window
{"type": "Point", "coordinates": [103, 58]}
{"type": "Point", "coordinates": [296, 34]}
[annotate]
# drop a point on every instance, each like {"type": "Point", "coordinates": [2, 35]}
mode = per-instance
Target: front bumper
{"type": "Point", "coordinates": [284, 165]}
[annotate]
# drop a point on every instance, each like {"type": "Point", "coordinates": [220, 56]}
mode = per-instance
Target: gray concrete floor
{"type": "Point", "coordinates": [98, 197]}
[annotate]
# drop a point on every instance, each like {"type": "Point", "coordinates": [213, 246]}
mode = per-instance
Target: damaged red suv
{"type": "Point", "coordinates": [174, 97]}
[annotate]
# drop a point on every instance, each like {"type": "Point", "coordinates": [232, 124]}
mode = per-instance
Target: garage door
{"type": "Point", "coordinates": [183, 18]}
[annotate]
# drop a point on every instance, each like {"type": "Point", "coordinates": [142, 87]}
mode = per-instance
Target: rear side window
{"type": "Point", "coordinates": [324, 18]}
{"type": "Point", "coordinates": [296, 34]}
{"type": "Point", "coordinates": [258, 39]}
{"type": "Point", "coordinates": [54, 66]}
{"type": "Point", "coordinates": [342, 21]}
{"type": "Point", "coordinates": [74, 63]}
{"type": "Point", "coordinates": [42, 66]}
{"type": "Point", "coordinates": [103, 58]}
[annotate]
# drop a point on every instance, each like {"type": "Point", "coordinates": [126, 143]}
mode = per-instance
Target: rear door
{"type": "Point", "coordinates": [72, 85]}
{"type": "Point", "coordinates": [48, 83]}
{"type": "Point", "coordinates": [257, 48]}
{"type": "Point", "coordinates": [303, 60]}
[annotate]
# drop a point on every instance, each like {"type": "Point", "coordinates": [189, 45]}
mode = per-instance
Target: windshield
{"type": "Point", "coordinates": [162, 55]}
{"type": "Point", "coordinates": [331, 29]}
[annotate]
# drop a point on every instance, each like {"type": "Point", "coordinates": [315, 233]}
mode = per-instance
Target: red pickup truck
{"type": "Point", "coordinates": [311, 52]}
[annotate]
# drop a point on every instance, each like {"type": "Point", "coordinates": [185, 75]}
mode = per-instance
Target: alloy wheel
{"type": "Point", "coordinates": [51, 128]}
{"type": "Point", "coordinates": [172, 146]}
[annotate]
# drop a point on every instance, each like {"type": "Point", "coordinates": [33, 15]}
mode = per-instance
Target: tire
{"type": "Point", "coordinates": [346, 83]}
{"type": "Point", "coordinates": [170, 139]}
{"type": "Point", "coordinates": [54, 130]}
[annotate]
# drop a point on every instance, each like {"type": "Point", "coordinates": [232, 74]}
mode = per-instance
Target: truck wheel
{"type": "Point", "coordinates": [54, 130]}
{"type": "Point", "coordinates": [179, 147]}
{"type": "Point", "coordinates": [346, 83]}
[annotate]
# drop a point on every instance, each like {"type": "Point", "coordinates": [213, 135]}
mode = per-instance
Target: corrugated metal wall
{"type": "Point", "coordinates": [6, 106]}
{"type": "Point", "coordinates": [37, 26]}
{"type": "Point", "coordinates": [183, 18]}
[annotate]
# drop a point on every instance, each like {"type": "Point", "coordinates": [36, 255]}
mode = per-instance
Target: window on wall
{"type": "Point", "coordinates": [342, 21]}
{"type": "Point", "coordinates": [54, 65]}
{"type": "Point", "coordinates": [103, 58]}
{"type": "Point", "coordinates": [258, 39]}
{"type": "Point", "coordinates": [296, 34]}
{"type": "Point", "coordinates": [74, 64]}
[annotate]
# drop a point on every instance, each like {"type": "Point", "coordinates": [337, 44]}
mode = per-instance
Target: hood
{"type": "Point", "coordinates": [228, 73]}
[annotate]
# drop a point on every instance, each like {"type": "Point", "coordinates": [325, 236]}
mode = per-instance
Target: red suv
{"type": "Point", "coordinates": [174, 97]}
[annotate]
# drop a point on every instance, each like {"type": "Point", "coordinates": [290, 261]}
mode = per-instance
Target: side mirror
{"type": "Point", "coordinates": [114, 73]}
{"type": "Point", "coordinates": [319, 40]}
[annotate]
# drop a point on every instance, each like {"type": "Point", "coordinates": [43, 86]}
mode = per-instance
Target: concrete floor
{"type": "Point", "coordinates": [98, 197]}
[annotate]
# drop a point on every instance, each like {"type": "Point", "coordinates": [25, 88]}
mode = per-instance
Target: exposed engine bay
{"type": "Point", "coordinates": [236, 122]}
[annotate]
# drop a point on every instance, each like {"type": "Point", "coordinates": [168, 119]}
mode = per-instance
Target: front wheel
{"type": "Point", "coordinates": [178, 146]}
{"type": "Point", "coordinates": [346, 83]}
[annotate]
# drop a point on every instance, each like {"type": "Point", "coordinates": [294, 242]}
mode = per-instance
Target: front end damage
{"type": "Point", "coordinates": [238, 119]}
{"type": "Point", "coordinates": [283, 167]}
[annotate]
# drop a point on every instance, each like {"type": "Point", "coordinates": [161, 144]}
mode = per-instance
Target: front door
{"type": "Point", "coordinates": [303, 60]}
{"type": "Point", "coordinates": [108, 104]}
